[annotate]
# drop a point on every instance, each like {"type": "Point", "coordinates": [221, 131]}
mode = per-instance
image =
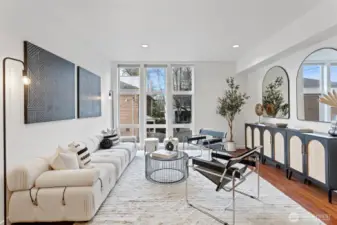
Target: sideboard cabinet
{"type": "Point", "coordinates": [310, 156]}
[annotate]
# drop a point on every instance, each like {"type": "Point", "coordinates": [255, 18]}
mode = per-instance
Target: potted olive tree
{"type": "Point", "coordinates": [229, 106]}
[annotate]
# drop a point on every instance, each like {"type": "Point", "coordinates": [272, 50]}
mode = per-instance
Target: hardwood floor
{"type": "Point", "coordinates": [312, 198]}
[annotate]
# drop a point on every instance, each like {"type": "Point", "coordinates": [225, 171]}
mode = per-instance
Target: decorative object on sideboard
{"type": "Point", "coordinates": [270, 109]}
{"type": "Point", "coordinates": [88, 94]}
{"type": "Point", "coordinates": [333, 129]}
{"type": "Point", "coordinates": [26, 81]}
{"type": "Point", "coordinates": [282, 125]}
{"type": "Point", "coordinates": [259, 111]}
{"type": "Point", "coordinates": [275, 96]}
{"type": "Point", "coordinates": [230, 105]}
{"type": "Point", "coordinates": [330, 99]}
{"type": "Point", "coordinates": [51, 94]}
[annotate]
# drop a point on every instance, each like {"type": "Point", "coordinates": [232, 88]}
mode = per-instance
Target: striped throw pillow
{"type": "Point", "coordinates": [83, 154]}
{"type": "Point", "coordinates": [114, 137]}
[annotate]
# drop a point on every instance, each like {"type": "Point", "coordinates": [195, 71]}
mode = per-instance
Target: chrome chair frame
{"type": "Point", "coordinates": [235, 179]}
{"type": "Point", "coordinates": [209, 142]}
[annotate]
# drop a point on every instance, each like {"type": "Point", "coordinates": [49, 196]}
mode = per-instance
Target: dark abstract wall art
{"type": "Point", "coordinates": [88, 94]}
{"type": "Point", "coordinates": [51, 94]}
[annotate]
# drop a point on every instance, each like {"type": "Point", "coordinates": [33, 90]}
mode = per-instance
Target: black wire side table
{"type": "Point", "coordinates": [166, 171]}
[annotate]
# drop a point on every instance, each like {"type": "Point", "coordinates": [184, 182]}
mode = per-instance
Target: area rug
{"type": "Point", "coordinates": [135, 200]}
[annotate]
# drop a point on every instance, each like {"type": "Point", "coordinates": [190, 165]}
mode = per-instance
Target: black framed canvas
{"type": "Point", "coordinates": [88, 94]}
{"type": "Point", "coordinates": [51, 94]}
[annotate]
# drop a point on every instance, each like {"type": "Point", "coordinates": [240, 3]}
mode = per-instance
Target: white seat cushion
{"type": "Point", "coordinates": [130, 147]}
{"type": "Point", "coordinates": [116, 152]}
{"type": "Point", "coordinates": [108, 173]}
{"type": "Point", "coordinates": [109, 159]}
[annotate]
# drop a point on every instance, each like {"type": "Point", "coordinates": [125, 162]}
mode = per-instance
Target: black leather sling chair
{"type": "Point", "coordinates": [207, 139]}
{"type": "Point", "coordinates": [229, 175]}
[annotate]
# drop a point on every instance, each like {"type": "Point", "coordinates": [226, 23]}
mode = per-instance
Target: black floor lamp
{"type": "Point", "coordinates": [26, 81]}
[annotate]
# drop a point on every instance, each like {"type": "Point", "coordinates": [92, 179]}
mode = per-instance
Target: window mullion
{"type": "Point", "coordinates": [169, 103]}
{"type": "Point", "coordinates": [142, 105]}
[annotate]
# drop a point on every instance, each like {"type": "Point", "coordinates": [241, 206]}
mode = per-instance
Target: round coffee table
{"type": "Point", "coordinates": [166, 171]}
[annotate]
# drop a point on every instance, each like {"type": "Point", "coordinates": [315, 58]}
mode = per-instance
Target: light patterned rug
{"type": "Point", "coordinates": [135, 200]}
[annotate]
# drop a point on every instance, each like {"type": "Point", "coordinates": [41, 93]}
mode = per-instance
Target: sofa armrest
{"type": "Point", "coordinates": [23, 177]}
{"type": "Point", "coordinates": [67, 178]}
{"type": "Point", "coordinates": [132, 139]}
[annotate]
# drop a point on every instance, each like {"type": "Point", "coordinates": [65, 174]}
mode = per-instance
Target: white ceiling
{"type": "Point", "coordinates": [176, 30]}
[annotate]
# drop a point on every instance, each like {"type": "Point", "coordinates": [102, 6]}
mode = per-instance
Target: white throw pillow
{"type": "Point", "coordinates": [64, 160]}
{"type": "Point", "coordinates": [83, 154]}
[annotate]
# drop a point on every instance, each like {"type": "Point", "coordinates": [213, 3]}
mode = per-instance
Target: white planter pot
{"type": "Point", "coordinates": [231, 147]}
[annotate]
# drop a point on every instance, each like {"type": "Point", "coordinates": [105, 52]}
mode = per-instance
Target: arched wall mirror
{"type": "Point", "coordinates": [316, 76]}
{"type": "Point", "coordinates": [275, 93]}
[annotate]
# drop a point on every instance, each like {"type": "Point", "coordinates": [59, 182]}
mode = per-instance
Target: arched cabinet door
{"type": "Point", "coordinates": [295, 153]}
{"type": "Point", "coordinates": [257, 137]}
{"type": "Point", "coordinates": [316, 161]}
{"type": "Point", "coordinates": [249, 137]}
{"type": "Point", "coordinates": [267, 144]}
{"type": "Point", "coordinates": [279, 147]}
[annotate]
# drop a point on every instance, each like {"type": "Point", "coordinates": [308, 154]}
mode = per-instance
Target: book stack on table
{"type": "Point", "coordinates": [165, 154]}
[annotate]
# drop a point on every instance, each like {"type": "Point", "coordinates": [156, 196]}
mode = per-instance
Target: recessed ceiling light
{"type": "Point", "coordinates": [236, 46]}
{"type": "Point", "coordinates": [145, 45]}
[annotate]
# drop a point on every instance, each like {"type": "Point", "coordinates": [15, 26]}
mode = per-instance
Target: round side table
{"type": "Point", "coordinates": [166, 171]}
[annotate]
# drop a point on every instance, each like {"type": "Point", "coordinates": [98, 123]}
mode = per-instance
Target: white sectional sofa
{"type": "Point", "coordinates": [39, 194]}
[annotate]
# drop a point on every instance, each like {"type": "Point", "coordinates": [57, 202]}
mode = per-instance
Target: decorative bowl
{"type": "Point", "coordinates": [282, 125]}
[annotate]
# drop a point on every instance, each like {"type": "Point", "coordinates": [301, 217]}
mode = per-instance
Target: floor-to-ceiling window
{"type": "Point", "coordinates": [156, 100]}
{"type": "Point", "coordinates": [129, 91]}
{"type": "Point", "coordinates": [182, 96]}
{"type": "Point", "coordinates": [156, 110]}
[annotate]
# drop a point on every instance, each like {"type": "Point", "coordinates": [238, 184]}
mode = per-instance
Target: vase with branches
{"type": "Point", "coordinates": [230, 105]}
{"type": "Point", "coordinates": [273, 101]}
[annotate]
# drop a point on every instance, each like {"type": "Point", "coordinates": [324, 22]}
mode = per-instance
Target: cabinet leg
{"type": "Point", "coordinates": [305, 181]}
{"type": "Point", "coordinates": [290, 174]}
{"type": "Point", "coordinates": [330, 196]}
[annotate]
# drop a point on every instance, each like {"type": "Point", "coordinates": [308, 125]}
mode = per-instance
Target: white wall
{"type": "Point", "coordinates": [25, 142]}
{"type": "Point", "coordinates": [291, 63]}
{"type": "Point", "coordinates": [209, 85]}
